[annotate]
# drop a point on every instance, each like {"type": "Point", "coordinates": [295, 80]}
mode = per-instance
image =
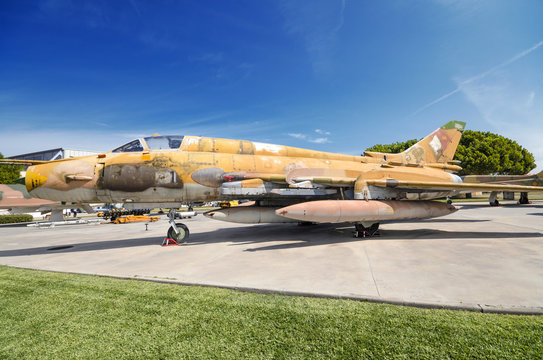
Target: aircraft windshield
{"type": "Point", "coordinates": [164, 142]}
{"type": "Point", "coordinates": [132, 146]}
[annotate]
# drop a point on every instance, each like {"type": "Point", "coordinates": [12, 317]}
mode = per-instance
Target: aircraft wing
{"type": "Point", "coordinates": [338, 177]}
{"type": "Point", "coordinates": [444, 186]}
{"type": "Point", "coordinates": [305, 179]}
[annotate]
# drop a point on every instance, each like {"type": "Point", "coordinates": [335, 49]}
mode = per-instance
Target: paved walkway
{"type": "Point", "coordinates": [479, 258]}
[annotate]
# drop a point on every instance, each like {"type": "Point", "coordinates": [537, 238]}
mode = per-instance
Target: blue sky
{"type": "Point", "coordinates": [328, 75]}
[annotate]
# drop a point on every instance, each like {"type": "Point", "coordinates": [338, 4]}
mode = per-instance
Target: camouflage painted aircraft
{"type": "Point", "coordinates": [16, 200]}
{"type": "Point", "coordinates": [287, 184]}
{"type": "Point", "coordinates": [533, 180]}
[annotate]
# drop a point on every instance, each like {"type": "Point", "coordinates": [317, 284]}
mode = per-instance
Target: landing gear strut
{"type": "Point", "coordinates": [366, 231]}
{"type": "Point", "coordinates": [524, 198]}
{"type": "Point", "coordinates": [178, 231]}
{"type": "Point", "coordinates": [493, 199]}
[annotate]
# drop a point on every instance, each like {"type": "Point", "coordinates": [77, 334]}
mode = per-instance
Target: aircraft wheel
{"type": "Point", "coordinates": [524, 198]}
{"type": "Point", "coordinates": [182, 235]}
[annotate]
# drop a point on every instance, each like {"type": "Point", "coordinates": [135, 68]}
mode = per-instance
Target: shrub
{"type": "Point", "coordinates": [10, 219]}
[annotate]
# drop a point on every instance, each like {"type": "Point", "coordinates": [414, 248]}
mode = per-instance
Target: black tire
{"type": "Point", "coordinates": [183, 233]}
{"type": "Point", "coordinates": [524, 199]}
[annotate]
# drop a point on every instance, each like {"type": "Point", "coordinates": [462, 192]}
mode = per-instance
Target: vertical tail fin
{"type": "Point", "coordinates": [438, 147]}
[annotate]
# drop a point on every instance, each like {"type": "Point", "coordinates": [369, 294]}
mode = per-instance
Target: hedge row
{"type": "Point", "coordinates": [10, 219]}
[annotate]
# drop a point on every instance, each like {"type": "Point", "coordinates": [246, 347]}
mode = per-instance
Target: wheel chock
{"type": "Point", "coordinates": [365, 234]}
{"type": "Point", "coordinates": [169, 242]}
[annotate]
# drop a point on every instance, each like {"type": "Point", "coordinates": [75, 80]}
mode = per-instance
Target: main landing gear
{"type": "Point", "coordinates": [493, 199]}
{"type": "Point", "coordinates": [366, 231]}
{"type": "Point", "coordinates": [178, 232]}
{"type": "Point", "coordinates": [524, 199]}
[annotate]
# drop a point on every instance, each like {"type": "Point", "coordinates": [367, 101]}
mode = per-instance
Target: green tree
{"type": "Point", "coordinates": [397, 147]}
{"type": "Point", "coordinates": [9, 173]}
{"type": "Point", "coordinates": [481, 153]}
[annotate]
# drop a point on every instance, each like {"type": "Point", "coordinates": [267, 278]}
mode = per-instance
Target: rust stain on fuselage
{"type": "Point", "coordinates": [134, 177]}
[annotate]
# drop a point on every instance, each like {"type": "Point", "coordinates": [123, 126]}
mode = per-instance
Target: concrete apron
{"type": "Point", "coordinates": [479, 258]}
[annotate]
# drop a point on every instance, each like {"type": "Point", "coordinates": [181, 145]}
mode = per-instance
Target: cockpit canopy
{"type": "Point", "coordinates": [132, 146]}
{"type": "Point", "coordinates": [152, 143]}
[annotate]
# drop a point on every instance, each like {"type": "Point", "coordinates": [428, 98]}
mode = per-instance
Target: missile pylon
{"type": "Point", "coordinates": [335, 211]}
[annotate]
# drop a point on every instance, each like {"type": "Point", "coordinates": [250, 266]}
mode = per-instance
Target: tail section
{"type": "Point", "coordinates": [438, 147]}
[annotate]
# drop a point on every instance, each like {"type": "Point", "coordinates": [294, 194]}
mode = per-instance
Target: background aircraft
{"type": "Point", "coordinates": [287, 184]}
{"type": "Point", "coordinates": [533, 180]}
{"type": "Point", "coordinates": [16, 200]}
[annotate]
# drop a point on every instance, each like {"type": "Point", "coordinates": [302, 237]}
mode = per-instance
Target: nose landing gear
{"type": "Point", "coordinates": [178, 232]}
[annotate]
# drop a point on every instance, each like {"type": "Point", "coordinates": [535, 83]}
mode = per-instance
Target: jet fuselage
{"type": "Point", "coordinates": [168, 175]}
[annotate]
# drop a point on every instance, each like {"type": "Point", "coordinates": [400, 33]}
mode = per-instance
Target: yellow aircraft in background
{"type": "Point", "coordinates": [533, 180]}
{"type": "Point", "coordinates": [287, 184]}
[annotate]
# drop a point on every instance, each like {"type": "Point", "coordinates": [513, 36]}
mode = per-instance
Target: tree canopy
{"type": "Point", "coordinates": [9, 173]}
{"type": "Point", "coordinates": [480, 153]}
{"type": "Point", "coordinates": [394, 148]}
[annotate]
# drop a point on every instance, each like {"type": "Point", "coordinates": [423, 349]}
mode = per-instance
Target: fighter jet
{"type": "Point", "coordinates": [287, 184]}
{"type": "Point", "coordinates": [534, 180]}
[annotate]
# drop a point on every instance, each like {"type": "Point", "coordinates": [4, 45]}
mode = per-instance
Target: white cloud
{"type": "Point", "coordinates": [298, 136]}
{"type": "Point", "coordinates": [320, 140]}
{"type": "Point", "coordinates": [322, 132]}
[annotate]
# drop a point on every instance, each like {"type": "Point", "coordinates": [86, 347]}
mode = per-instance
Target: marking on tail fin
{"type": "Point", "coordinates": [439, 146]}
{"type": "Point", "coordinates": [435, 144]}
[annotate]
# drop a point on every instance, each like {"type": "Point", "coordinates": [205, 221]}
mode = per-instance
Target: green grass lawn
{"type": "Point", "coordinates": [46, 315]}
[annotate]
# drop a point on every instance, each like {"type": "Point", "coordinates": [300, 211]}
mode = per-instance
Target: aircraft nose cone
{"type": "Point", "coordinates": [33, 179]}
